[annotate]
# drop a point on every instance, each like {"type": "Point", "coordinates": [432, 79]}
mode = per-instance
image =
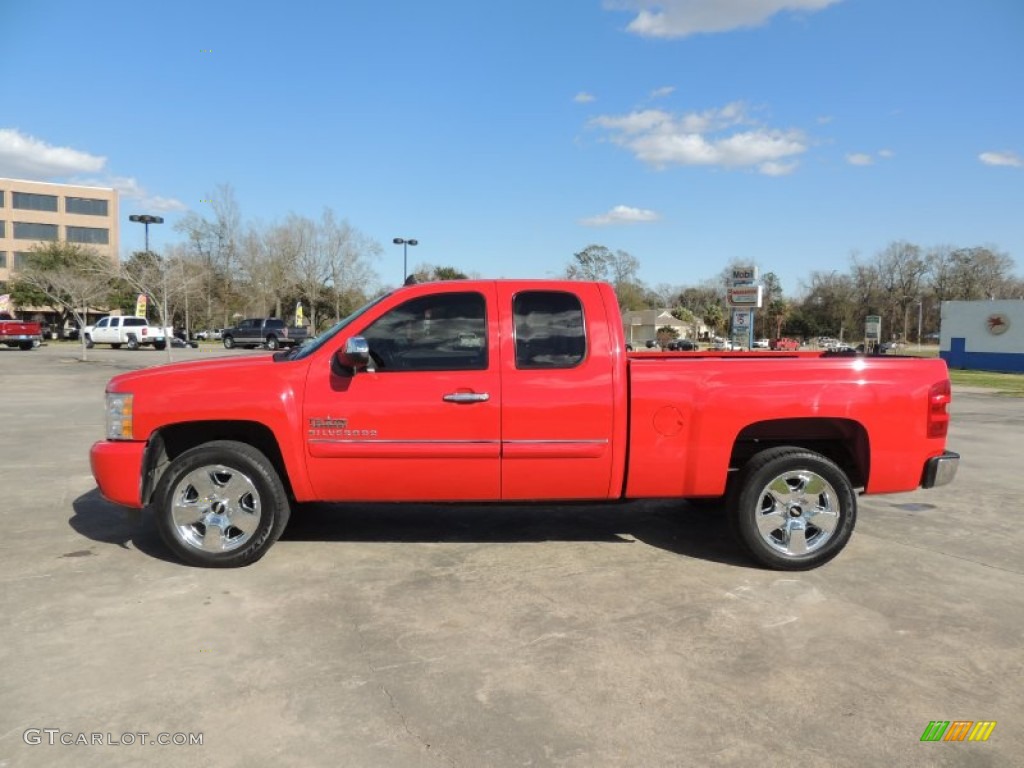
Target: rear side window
{"type": "Point", "coordinates": [274, 323]}
{"type": "Point", "coordinates": [549, 329]}
{"type": "Point", "coordinates": [134, 321]}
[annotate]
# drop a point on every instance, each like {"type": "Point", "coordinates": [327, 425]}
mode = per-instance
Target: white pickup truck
{"type": "Point", "coordinates": [132, 332]}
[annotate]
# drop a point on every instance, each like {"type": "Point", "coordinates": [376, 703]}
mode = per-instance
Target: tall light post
{"type": "Point", "coordinates": [146, 219]}
{"type": "Point", "coordinates": [405, 243]}
{"type": "Point", "coordinates": [920, 312]}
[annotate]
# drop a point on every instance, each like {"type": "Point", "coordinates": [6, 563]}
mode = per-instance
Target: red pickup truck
{"type": "Point", "coordinates": [18, 333]}
{"type": "Point", "coordinates": [514, 390]}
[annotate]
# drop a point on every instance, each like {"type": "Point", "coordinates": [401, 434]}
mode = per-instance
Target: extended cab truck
{"type": "Point", "coordinates": [518, 391]}
{"type": "Point", "coordinates": [269, 332]}
{"type": "Point", "coordinates": [18, 333]}
{"type": "Point", "coordinates": [128, 331]}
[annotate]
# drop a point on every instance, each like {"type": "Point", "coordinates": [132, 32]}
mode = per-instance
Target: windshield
{"type": "Point", "coordinates": [312, 345]}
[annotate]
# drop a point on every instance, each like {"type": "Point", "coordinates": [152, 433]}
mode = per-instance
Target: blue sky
{"type": "Point", "coordinates": [505, 136]}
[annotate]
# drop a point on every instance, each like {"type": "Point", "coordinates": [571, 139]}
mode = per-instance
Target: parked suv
{"type": "Point", "coordinates": [269, 332]}
{"type": "Point", "coordinates": [132, 332]}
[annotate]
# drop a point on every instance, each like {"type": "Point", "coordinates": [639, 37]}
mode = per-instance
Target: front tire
{"type": "Point", "coordinates": [221, 505]}
{"type": "Point", "coordinates": [228, 342]}
{"type": "Point", "coordinates": [89, 344]}
{"type": "Point", "coordinates": [792, 509]}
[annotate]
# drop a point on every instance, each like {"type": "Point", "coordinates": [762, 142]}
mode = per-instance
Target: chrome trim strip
{"type": "Point", "coordinates": [555, 442]}
{"type": "Point", "coordinates": [408, 442]}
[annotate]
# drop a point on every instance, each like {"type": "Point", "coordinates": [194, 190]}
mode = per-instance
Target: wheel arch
{"type": "Point", "coordinates": [844, 441]}
{"type": "Point", "coordinates": [171, 441]}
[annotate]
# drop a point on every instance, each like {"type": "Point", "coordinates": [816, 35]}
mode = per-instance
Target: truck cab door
{"type": "Point", "coordinates": [105, 331]}
{"type": "Point", "coordinates": [559, 406]}
{"type": "Point", "coordinates": [422, 423]}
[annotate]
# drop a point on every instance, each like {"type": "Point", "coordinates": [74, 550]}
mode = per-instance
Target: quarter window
{"type": "Point", "coordinates": [441, 332]}
{"type": "Point", "coordinates": [549, 329]}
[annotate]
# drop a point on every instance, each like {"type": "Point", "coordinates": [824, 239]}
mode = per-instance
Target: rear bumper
{"type": "Point", "coordinates": [940, 470]}
{"type": "Point", "coordinates": [117, 467]}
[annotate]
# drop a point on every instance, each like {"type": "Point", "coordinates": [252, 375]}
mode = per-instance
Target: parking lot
{"type": "Point", "coordinates": [586, 636]}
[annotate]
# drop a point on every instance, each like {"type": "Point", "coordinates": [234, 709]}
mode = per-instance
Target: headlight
{"type": "Point", "coordinates": [119, 416]}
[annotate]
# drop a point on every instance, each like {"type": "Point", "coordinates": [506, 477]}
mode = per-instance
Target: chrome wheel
{"type": "Point", "coordinates": [792, 508]}
{"type": "Point", "coordinates": [797, 513]}
{"type": "Point", "coordinates": [215, 509]}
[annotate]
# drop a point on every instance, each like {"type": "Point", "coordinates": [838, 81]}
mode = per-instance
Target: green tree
{"type": "Point", "coordinates": [67, 277]}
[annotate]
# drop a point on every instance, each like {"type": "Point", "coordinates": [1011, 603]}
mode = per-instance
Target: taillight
{"type": "Point", "coordinates": [939, 397]}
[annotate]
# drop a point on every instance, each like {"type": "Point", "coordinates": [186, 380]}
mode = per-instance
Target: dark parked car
{"type": "Point", "coordinates": [269, 332]}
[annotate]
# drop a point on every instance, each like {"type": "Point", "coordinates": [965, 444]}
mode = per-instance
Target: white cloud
{"type": "Point", "coordinates": [27, 157]}
{"type": "Point", "coordinates": [621, 214]}
{"type": "Point", "coordinates": [665, 90]}
{"type": "Point", "coordinates": [773, 168]}
{"type": "Point", "coordinates": [863, 158]}
{"type": "Point", "coordinates": [129, 188]}
{"type": "Point", "coordinates": [681, 18]}
{"type": "Point", "coordinates": [661, 139]}
{"type": "Point", "coordinates": [1011, 159]}
{"type": "Point", "coordinates": [583, 98]}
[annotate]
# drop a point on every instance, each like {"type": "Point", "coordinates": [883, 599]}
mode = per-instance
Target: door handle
{"type": "Point", "coordinates": [466, 397]}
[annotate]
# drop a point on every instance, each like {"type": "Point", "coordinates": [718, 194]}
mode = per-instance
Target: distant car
{"type": "Point", "coordinates": [683, 345]}
{"type": "Point", "coordinates": [760, 344]}
{"type": "Point", "coordinates": [724, 345]}
{"type": "Point", "coordinates": [890, 346]}
{"type": "Point", "coordinates": [784, 344]}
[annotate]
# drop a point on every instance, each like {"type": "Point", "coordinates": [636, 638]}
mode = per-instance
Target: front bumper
{"type": "Point", "coordinates": [117, 467]}
{"type": "Point", "coordinates": [940, 470]}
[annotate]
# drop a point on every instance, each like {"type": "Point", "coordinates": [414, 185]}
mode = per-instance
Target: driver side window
{"type": "Point", "coordinates": [443, 332]}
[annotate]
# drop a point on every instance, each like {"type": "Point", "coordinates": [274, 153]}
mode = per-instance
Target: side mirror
{"type": "Point", "coordinates": [354, 356]}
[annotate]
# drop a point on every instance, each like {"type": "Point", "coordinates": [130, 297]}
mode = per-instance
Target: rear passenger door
{"type": "Point", "coordinates": [557, 415]}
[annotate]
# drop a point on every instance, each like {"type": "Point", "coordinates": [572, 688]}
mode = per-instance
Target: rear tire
{"type": "Point", "coordinates": [792, 509]}
{"type": "Point", "coordinates": [271, 342]}
{"type": "Point", "coordinates": [221, 505]}
{"type": "Point", "coordinates": [133, 342]}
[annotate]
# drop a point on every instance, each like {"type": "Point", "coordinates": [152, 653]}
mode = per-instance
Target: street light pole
{"type": "Point", "coordinates": [405, 243]}
{"type": "Point", "coordinates": [146, 219]}
{"type": "Point", "coordinates": [920, 308]}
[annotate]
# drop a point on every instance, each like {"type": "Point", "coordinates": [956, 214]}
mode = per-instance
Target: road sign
{"type": "Point", "coordinates": [747, 296]}
{"type": "Point", "coordinates": [873, 328]}
{"type": "Point", "coordinates": [744, 275]}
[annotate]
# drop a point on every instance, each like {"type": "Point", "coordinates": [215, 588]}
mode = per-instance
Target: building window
{"type": "Point", "coordinates": [3, 231]}
{"type": "Point", "coordinates": [28, 230]}
{"type": "Point", "coordinates": [1, 198]}
{"type": "Point", "coordinates": [20, 257]}
{"type": "Point", "coordinates": [86, 205]}
{"type": "Point", "coordinates": [27, 201]}
{"type": "Point", "coordinates": [3, 259]}
{"type": "Point", "coordinates": [93, 235]}
{"type": "Point", "coordinates": [549, 329]}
